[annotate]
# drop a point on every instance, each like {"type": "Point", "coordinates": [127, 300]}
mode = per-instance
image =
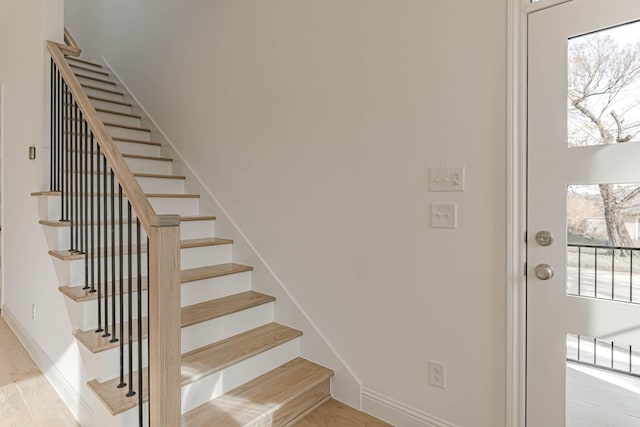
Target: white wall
{"type": "Point", "coordinates": [314, 123]}
{"type": "Point", "coordinates": [28, 275]}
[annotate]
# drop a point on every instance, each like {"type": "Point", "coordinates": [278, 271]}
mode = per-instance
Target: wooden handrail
{"type": "Point", "coordinates": [164, 257]}
{"type": "Point", "coordinates": [130, 186]}
{"type": "Point", "coordinates": [71, 48]}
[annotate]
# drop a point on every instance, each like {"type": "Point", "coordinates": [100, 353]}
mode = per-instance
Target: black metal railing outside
{"type": "Point", "coordinates": [603, 272]}
{"type": "Point", "coordinates": [92, 203]}
{"type": "Point", "coordinates": [602, 354]}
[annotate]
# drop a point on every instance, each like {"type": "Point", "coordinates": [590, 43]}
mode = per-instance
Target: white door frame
{"type": "Point", "coordinates": [517, 10]}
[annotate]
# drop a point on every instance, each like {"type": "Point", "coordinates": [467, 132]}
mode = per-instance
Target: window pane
{"type": "Point", "coordinates": [603, 87]}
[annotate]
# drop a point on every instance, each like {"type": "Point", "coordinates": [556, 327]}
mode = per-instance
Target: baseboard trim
{"type": "Point", "coordinates": [78, 407]}
{"type": "Point", "coordinates": [397, 413]}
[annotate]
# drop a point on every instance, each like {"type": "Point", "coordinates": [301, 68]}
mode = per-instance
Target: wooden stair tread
{"type": "Point", "coordinates": [336, 414]}
{"type": "Point", "coordinates": [215, 357]}
{"type": "Point", "coordinates": [66, 255]}
{"type": "Point", "coordinates": [115, 92]}
{"type": "Point", "coordinates": [219, 307]}
{"type": "Point", "coordinates": [135, 141]}
{"type": "Point", "coordinates": [141, 175]}
{"type": "Point", "coordinates": [54, 223]}
{"type": "Point", "coordinates": [80, 67]}
{"type": "Point", "coordinates": [126, 156]}
{"type": "Point", "coordinates": [191, 315]}
{"type": "Point", "coordinates": [209, 272]}
{"type": "Point", "coordinates": [151, 195]}
{"type": "Point", "coordinates": [118, 125]}
{"type": "Point", "coordinates": [95, 342]}
{"type": "Point", "coordinates": [265, 397]}
{"type": "Point", "coordinates": [84, 76]}
{"type": "Point", "coordinates": [97, 98]}
{"type": "Point", "coordinates": [114, 398]}
{"type": "Point", "coordinates": [118, 113]}
{"type": "Point", "coordinates": [83, 61]}
{"type": "Point", "coordinates": [202, 362]}
{"type": "Point", "coordinates": [79, 294]}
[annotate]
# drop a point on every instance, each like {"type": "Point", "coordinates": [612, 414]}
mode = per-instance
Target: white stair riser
{"type": "Point", "coordinates": [59, 237]}
{"type": "Point", "coordinates": [213, 288]}
{"type": "Point", "coordinates": [139, 135]}
{"type": "Point", "coordinates": [161, 185]}
{"type": "Point", "coordinates": [109, 361]}
{"type": "Point", "coordinates": [73, 272]}
{"type": "Point", "coordinates": [139, 149]}
{"type": "Point", "coordinates": [110, 106]}
{"type": "Point", "coordinates": [102, 94]}
{"type": "Point", "coordinates": [212, 386]}
{"type": "Point", "coordinates": [119, 119]}
{"type": "Point", "coordinates": [213, 330]}
{"type": "Point", "coordinates": [148, 166]}
{"type": "Point", "coordinates": [205, 255]}
{"type": "Point", "coordinates": [92, 72]}
{"type": "Point", "coordinates": [95, 83]}
{"type": "Point", "coordinates": [90, 310]}
{"type": "Point", "coordinates": [175, 206]}
{"type": "Point", "coordinates": [109, 366]}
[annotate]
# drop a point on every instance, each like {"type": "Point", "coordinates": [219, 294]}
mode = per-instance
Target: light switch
{"type": "Point", "coordinates": [444, 215]}
{"type": "Point", "coordinates": [446, 179]}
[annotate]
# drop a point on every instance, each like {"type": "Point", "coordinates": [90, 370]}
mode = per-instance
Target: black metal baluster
{"type": "Point", "coordinates": [595, 275]}
{"type": "Point", "coordinates": [93, 218]}
{"type": "Point", "coordinates": [52, 107]}
{"type": "Point", "coordinates": [76, 199]}
{"type": "Point", "coordinates": [106, 249]}
{"type": "Point", "coordinates": [67, 154]}
{"type": "Point", "coordinates": [113, 260]}
{"type": "Point", "coordinates": [579, 270]}
{"type": "Point", "coordinates": [87, 195]}
{"type": "Point", "coordinates": [121, 256]}
{"type": "Point", "coordinates": [60, 120]}
{"type": "Point", "coordinates": [98, 228]}
{"type": "Point", "coordinates": [631, 277]}
{"type": "Point", "coordinates": [72, 193]}
{"type": "Point", "coordinates": [613, 270]}
{"type": "Point", "coordinates": [612, 356]}
{"type": "Point", "coordinates": [130, 302]}
{"type": "Point", "coordinates": [139, 269]}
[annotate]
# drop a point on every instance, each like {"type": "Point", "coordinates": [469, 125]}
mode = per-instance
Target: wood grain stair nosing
{"type": "Point", "coordinates": [127, 156]}
{"type": "Point", "coordinates": [83, 61]}
{"type": "Point", "coordinates": [78, 294]}
{"type": "Point", "coordinates": [184, 244]}
{"type": "Point", "coordinates": [97, 98]}
{"type": "Point", "coordinates": [224, 306]}
{"type": "Point", "coordinates": [118, 113]}
{"type": "Point", "coordinates": [273, 335]}
{"type": "Point", "coordinates": [57, 223]}
{"type": "Point", "coordinates": [280, 387]}
{"type": "Point", "coordinates": [136, 128]}
{"type": "Point", "coordinates": [140, 175]}
{"type": "Point", "coordinates": [80, 67]}
{"type": "Point", "coordinates": [100, 89]}
{"type": "Point", "coordinates": [149, 195]}
{"type": "Point", "coordinates": [96, 79]}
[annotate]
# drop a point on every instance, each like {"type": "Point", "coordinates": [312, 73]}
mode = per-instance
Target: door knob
{"type": "Point", "coordinates": [544, 271]}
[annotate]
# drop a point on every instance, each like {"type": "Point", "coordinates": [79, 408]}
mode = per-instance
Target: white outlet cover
{"type": "Point", "coordinates": [444, 215]}
{"type": "Point", "coordinates": [447, 179]}
{"type": "Point", "coordinates": [437, 374]}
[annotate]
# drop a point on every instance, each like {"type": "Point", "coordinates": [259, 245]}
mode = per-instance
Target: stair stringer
{"type": "Point", "coordinates": [314, 345]}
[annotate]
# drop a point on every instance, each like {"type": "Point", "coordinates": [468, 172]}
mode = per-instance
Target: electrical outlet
{"type": "Point", "coordinates": [446, 179]}
{"type": "Point", "coordinates": [437, 374]}
{"type": "Point", "coordinates": [444, 215]}
{"type": "Point", "coordinates": [33, 312]}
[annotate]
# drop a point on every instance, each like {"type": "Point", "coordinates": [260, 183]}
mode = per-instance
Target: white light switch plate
{"type": "Point", "coordinates": [446, 179]}
{"type": "Point", "coordinates": [444, 215]}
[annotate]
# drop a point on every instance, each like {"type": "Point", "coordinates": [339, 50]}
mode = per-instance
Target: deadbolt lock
{"type": "Point", "coordinates": [544, 238]}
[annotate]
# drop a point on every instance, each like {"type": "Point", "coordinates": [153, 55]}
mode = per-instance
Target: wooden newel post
{"type": "Point", "coordinates": [164, 322]}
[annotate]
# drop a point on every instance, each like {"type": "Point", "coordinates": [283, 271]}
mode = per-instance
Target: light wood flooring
{"type": "Point", "coordinates": [26, 397]}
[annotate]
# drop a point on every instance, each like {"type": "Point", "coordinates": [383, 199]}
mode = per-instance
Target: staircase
{"type": "Point", "coordinates": [238, 366]}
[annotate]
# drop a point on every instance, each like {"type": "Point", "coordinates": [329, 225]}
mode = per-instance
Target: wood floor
{"type": "Point", "coordinates": [26, 397]}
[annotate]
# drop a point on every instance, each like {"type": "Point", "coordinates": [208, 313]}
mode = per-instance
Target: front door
{"type": "Point", "coordinates": [583, 292]}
